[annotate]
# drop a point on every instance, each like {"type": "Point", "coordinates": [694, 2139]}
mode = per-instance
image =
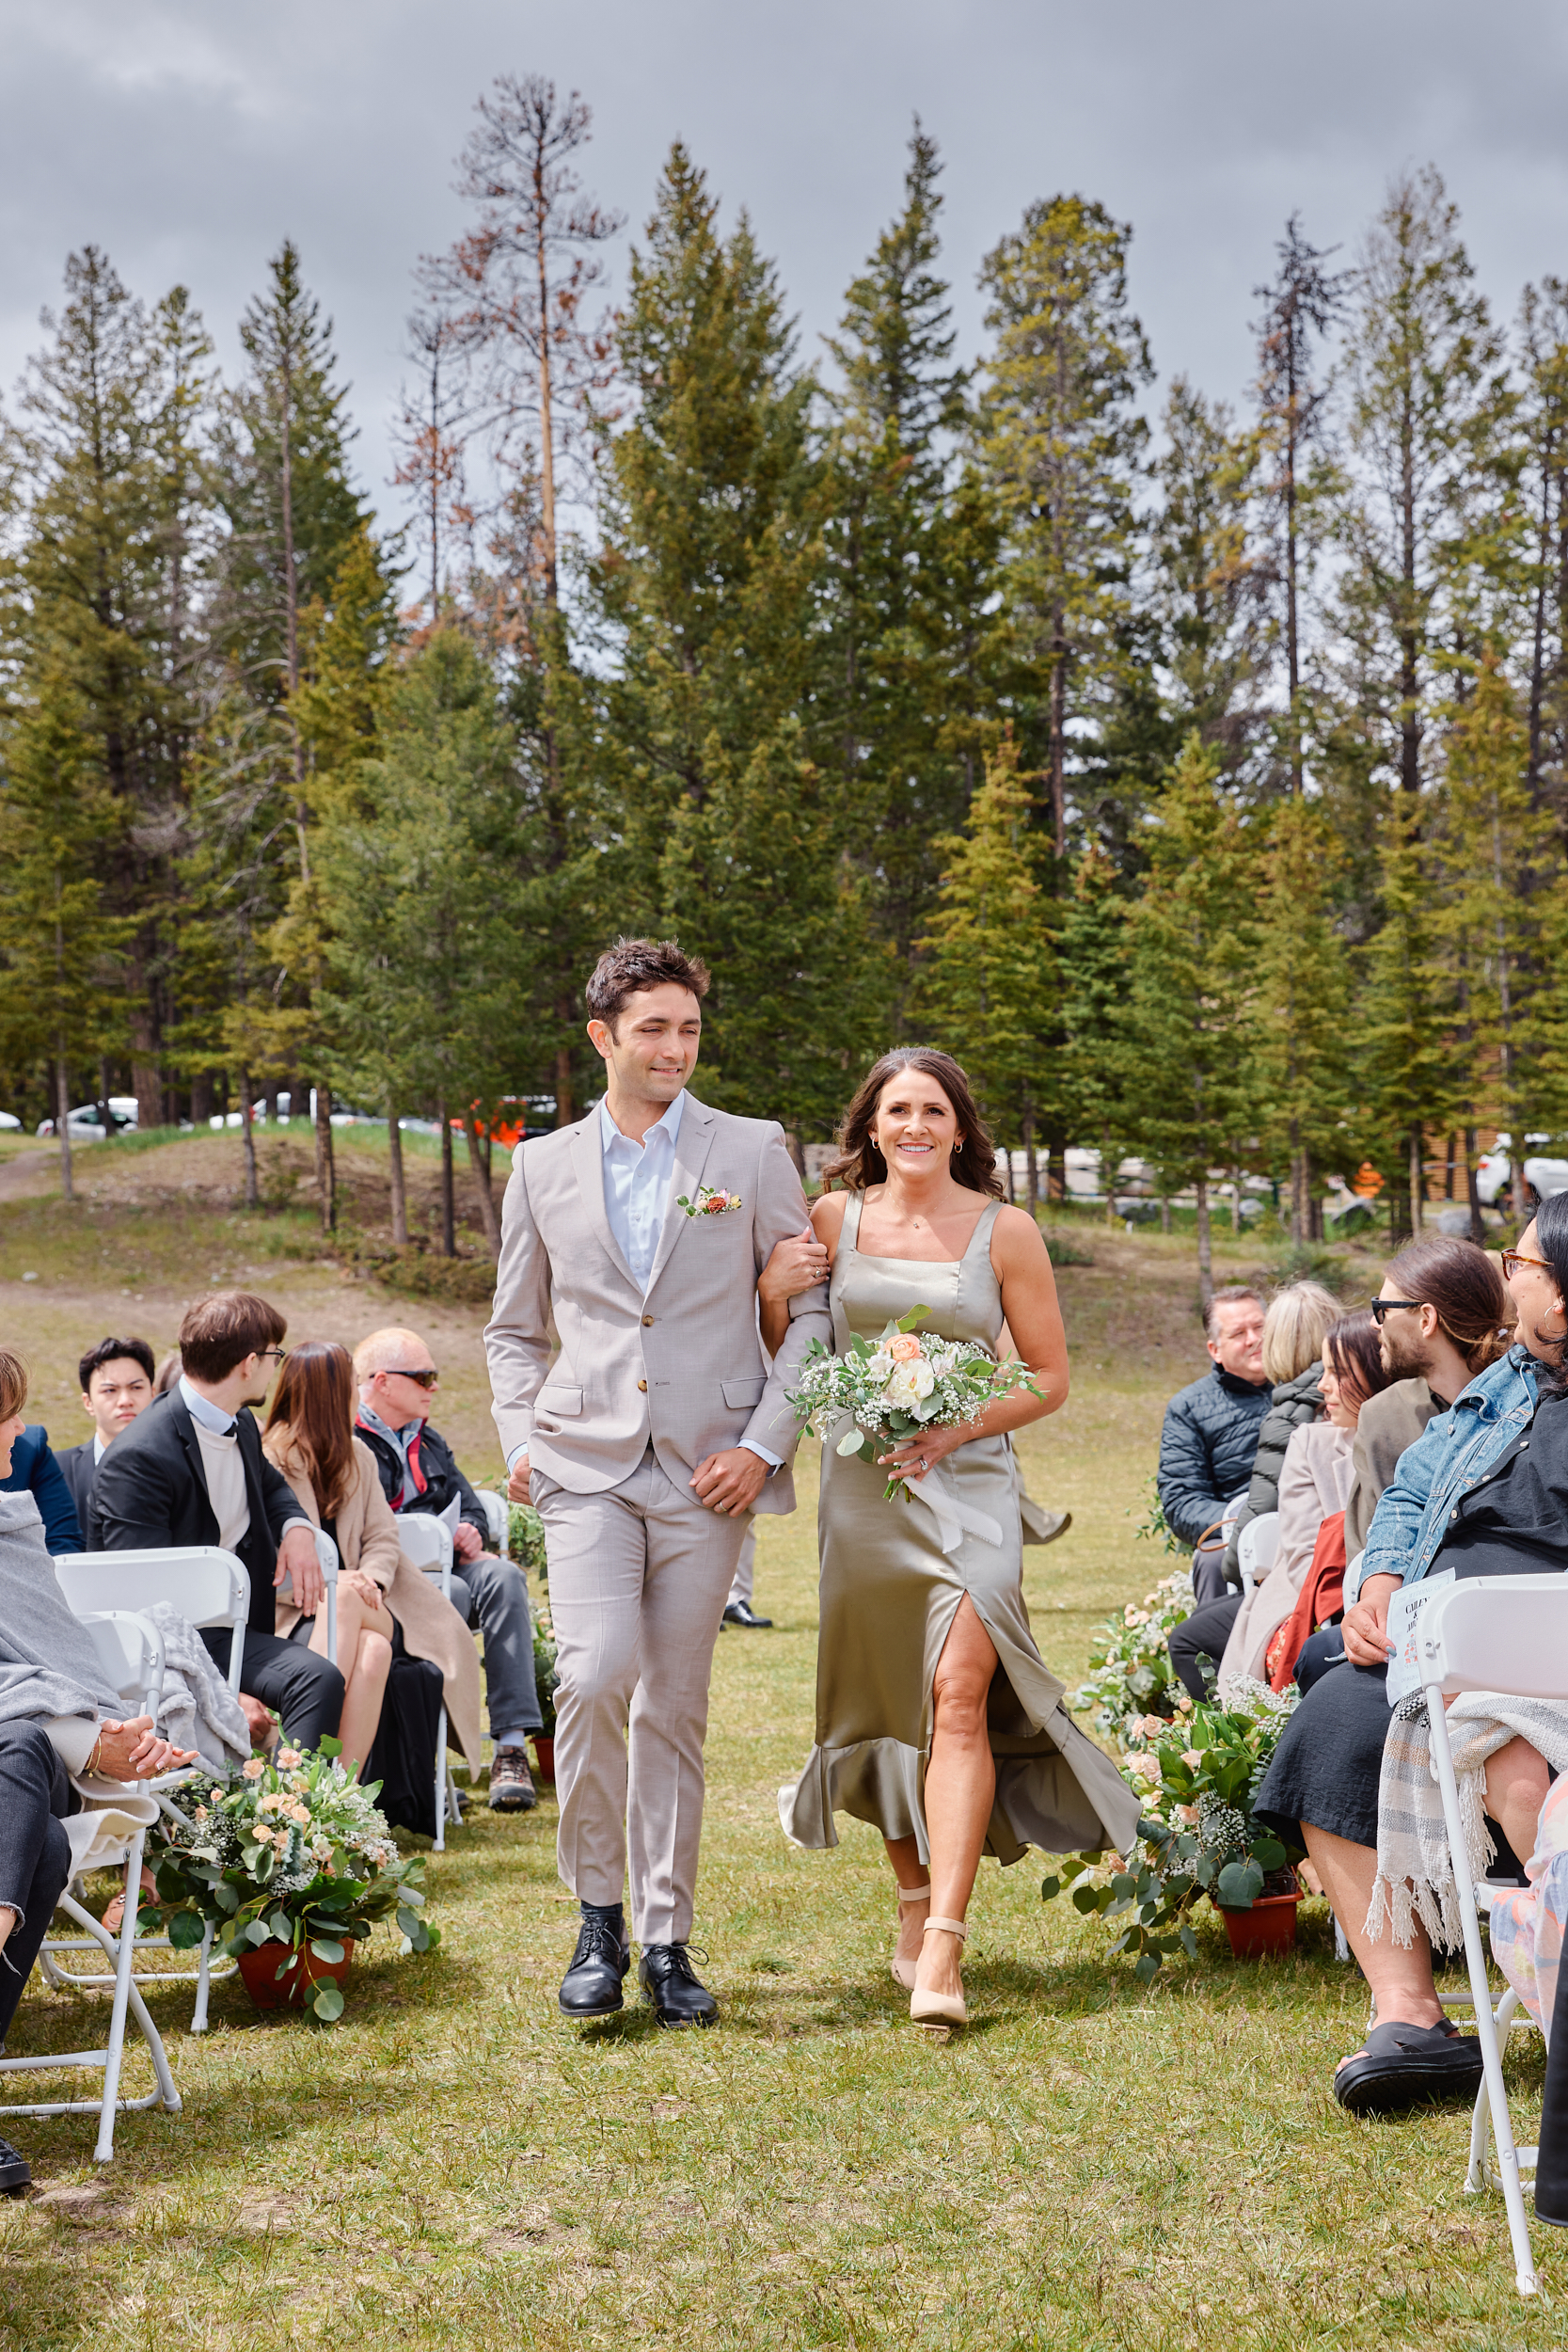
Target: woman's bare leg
{"type": "Point", "coordinates": [910, 1872]}
{"type": "Point", "coordinates": [364, 1660]}
{"type": "Point", "coordinates": [1516, 1787]}
{"type": "Point", "coordinates": [1399, 1976]}
{"type": "Point", "coordinates": [960, 1787]}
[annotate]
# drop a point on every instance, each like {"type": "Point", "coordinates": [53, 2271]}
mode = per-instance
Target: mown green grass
{"type": "Point", "coordinates": [1090, 2164]}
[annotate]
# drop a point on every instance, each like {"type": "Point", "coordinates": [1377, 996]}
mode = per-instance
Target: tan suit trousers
{"type": "Point", "coordinates": [639, 1576]}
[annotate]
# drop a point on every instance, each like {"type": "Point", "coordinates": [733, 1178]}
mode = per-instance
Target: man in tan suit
{"type": "Point", "coordinates": [645, 1448]}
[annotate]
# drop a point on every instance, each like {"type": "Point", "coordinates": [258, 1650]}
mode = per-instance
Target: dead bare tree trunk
{"type": "Point", "coordinates": [248, 1136]}
{"type": "Point", "coordinates": [481, 1178]}
{"type": "Point", "coordinates": [62, 1122]}
{"type": "Point", "coordinates": [1205, 1243]}
{"type": "Point", "coordinates": [400, 1188]}
{"type": "Point", "coordinates": [449, 1198]}
{"type": "Point", "coordinates": [326, 1172]}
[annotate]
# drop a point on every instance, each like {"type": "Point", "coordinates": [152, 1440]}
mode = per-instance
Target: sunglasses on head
{"type": "Point", "coordinates": [426, 1377]}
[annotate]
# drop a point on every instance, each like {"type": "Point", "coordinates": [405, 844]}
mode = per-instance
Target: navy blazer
{"type": "Point", "coordinates": [34, 1468]}
{"type": "Point", "coordinates": [79, 1468]}
{"type": "Point", "coordinates": [151, 1491]}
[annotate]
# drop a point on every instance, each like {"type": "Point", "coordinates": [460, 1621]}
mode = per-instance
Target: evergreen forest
{"type": "Point", "coordinates": [1197, 775]}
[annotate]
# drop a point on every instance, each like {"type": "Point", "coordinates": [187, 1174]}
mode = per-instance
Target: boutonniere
{"type": "Point", "coordinates": [708, 1202]}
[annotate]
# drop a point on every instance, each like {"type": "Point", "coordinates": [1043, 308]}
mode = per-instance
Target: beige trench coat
{"type": "Point", "coordinates": [368, 1540]}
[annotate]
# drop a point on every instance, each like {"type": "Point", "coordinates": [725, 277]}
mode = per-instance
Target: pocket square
{"type": "Point", "coordinates": [708, 1202]}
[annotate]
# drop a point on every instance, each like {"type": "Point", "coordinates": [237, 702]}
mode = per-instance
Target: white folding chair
{"type": "Point", "coordinates": [1256, 1546]}
{"type": "Point", "coordinates": [427, 1546]}
{"type": "Point", "coordinates": [211, 1589]}
{"type": "Point", "coordinates": [106, 1835]}
{"type": "Point", "coordinates": [1506, 1633]}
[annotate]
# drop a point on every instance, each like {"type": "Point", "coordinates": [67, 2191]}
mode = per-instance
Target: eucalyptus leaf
{"type": "Point", "coordinates": [1268, 1853]}
{"type": "Point", "coordinates": [852, 1443]}
{"type": "Point", "coordinates": [327, 2001]}
{"type": "Point", "coordinates": [1238, 1886]}
{"type": "Point", "coordinates": [326, 1948]}
{"type": "Point", "coordinates": [187, 1929]}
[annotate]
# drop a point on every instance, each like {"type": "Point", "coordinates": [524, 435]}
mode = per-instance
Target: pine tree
{"type": "Point", "coordinates": [1299, 1050]}
{"type": "Point", "coordinates": [1092, 963]}
{"type": "Point", "coordinates": [1191, 1091]}
{"type": "Point", "coordinates": [701, 745]}
{"type": "Point", "coordinates": [1302, 302]}
{"type": "Point", "coordinates": [1209, 583]}
{"type": "Point", "coordinates": [1405, 1013]}
{"type": "Point", "coordinates": [1061, 441]}
{"type": "Point", "coordinates": [114, 525]}
{"type": "Point", "coordinates": [912, 545]}
{"type": "Point", "coordinates": [989, 989]}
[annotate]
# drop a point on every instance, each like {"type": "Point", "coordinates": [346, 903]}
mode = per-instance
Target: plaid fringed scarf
{"type": "Point", "coordinates": [1415, 1876]}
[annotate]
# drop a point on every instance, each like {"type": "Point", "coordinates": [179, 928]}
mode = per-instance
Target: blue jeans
{"type": "Point", "coordinates": [492, 1596]}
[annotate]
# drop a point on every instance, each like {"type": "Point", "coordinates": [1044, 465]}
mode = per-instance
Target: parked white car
{"type": "Point", "coordinates": [85, 1126]}
{"type": "Point", "coordinates": [1542, 1176]}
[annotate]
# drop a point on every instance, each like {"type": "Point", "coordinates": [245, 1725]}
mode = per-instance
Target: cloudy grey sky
{"type": "Point", "coordinates": [189, 138]}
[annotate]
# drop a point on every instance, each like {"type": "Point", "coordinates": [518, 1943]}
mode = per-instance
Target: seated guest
{"type": "Point", "coordinates": [169, 1372]}
{"type": "Point", "coordinates": [191, 1470]}
{"type": "Point", "coordinates": [1482, 1491]}
{"type": "Point", "coordinates": [415, 1634]}
{"type": "Point", "coordinates": [1313, 1485]}
{"type": "Point", "coordinates": [397, 1380]}
{"type": "Point", "coordinates": [36, 1472]}
{"type": "Point", "coordinates": [1209, 1440]}
{"type": "Point", "coordinates": [1294, 1332]}
{"type": "Point", "coordinates": [57, 1716]}
{"type": "Point", "coordinates": [116, 1385]}
{"type": "Point", "coordinates": [1291, 1358]}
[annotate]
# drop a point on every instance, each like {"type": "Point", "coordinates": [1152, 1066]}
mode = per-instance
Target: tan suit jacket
{"type": "Point", "coordinates": [683, 1366]}
{"type": "Point", "coordinates": [368, 1540]}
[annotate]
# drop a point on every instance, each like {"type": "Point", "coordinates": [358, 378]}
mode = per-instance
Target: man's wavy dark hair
{"type": "Point", "coordinates": [632, 965]}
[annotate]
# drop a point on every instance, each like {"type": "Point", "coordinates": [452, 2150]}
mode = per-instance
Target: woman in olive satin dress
{"type": "Point", "coordinates": [937, 1719]}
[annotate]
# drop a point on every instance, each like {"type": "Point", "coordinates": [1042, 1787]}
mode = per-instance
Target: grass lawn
{"type": "Point", "coordinates": [452, 2166]}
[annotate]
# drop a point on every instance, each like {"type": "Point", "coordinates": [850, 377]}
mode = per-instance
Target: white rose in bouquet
{"type": "Point", "coordinates": [909, 1384]}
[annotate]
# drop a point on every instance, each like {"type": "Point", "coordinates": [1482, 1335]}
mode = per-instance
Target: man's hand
{"type": "Point", "coordinates": [467, 1541]}
{"type": "Point", "coordinates": [134, 1751]}
{"type": "Point", "coordinates": [296, 1557]}
{"type": "Point", "coordinates": [517, 1482]}
{"type": "Point", "coordinates": [731, 1480]}
{"type": "Point", "coordinates": [1366, 1623]}
{"type": "Point", "coordinates": [258, 1722]}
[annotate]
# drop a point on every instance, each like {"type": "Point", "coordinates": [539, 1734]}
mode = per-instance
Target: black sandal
{"type": "Point", "coordinates": [1405, 2064]}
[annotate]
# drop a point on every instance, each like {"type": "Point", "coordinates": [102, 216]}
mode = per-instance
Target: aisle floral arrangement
{"type": "Point", "coordinates": [1197, 1780]}
{"type": "Point", "coordinates": [293, 1852]}
{"type": "Point", "coordinates": [899, 1383]}
{"type": "Point", "coordinates": [1130, 1675]}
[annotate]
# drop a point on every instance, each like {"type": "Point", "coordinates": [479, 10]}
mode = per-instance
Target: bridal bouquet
{"type": "Point", "coordinates": [899, 1385]}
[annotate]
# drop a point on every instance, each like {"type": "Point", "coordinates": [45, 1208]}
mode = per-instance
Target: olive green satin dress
{"type": "Point", "coordinates": [889, 1595]}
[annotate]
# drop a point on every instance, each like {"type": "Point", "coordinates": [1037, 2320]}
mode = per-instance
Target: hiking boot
{"type": "Point", "coordinates": [511, 1788]}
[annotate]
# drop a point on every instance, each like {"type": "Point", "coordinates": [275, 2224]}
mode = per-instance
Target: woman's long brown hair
{"type": "Point", "coordinates": [314, 1405]}
{"type": "Point", "coordinates": [859, 1163]}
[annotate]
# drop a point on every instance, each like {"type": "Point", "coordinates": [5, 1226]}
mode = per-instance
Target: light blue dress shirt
{"type": "Point", "coordinates": [637, 1186]}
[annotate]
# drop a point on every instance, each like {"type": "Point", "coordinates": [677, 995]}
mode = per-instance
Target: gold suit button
{"type": "Point", "coordinates": [647, 1322]}
{"type": "Point", "coordinates": [644, 1386]}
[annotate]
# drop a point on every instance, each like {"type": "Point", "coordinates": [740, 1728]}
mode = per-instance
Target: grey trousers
{"type": "Point", "coordinates": [639, 1578]}
{"type": "Point", "coordinates": [492, 1596]}
{"type": "Point", "coordinates": [744, 1581]}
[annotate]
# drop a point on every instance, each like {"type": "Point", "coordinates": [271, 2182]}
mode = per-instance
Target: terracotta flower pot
{"type": "Point", "coordinates": [1270, 1926]}
{"type": "Point", "coordinates": [544, 1756]}
{"type": "Point", "coordinates": [259, 1966]}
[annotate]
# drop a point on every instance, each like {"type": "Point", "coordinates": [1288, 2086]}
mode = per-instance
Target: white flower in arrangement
{"type": "Point", "coordinates": [909, 1384]}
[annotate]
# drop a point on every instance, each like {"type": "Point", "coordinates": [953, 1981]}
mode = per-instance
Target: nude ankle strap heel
{"type": "Point", "coordinates": [939, 2013]}
{"type": "Point", "coordinates": [902, 1971]}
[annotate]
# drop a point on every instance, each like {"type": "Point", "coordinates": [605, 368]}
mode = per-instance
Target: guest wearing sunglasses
{"type": "Point", "coordinates": [396, 1379]}
{"type": "Point", "coordinates": [190, 1469]}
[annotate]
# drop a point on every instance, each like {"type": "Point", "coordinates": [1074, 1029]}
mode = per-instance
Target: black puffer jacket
{"type": "Point", "coordinates": [443, 1480]}
{"type": "Point", "coordinates": [1207, 1447]}
{"type": "Point", "coordinates": [1295, 1403]}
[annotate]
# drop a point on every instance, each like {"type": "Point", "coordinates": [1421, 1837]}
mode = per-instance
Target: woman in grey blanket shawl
{"type": "Point", "coordinates": [57, 1718]}
{"type": "Point", "coordinates": [1482, 1492]}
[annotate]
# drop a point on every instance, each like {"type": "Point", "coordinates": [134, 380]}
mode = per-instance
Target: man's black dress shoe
{"type": "Point", "coordinates": [742, 1612]}
{"type": "Point", "coordinates": [678, 1995]}
{"type": "Point", "coordinates": [591, 1986]}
